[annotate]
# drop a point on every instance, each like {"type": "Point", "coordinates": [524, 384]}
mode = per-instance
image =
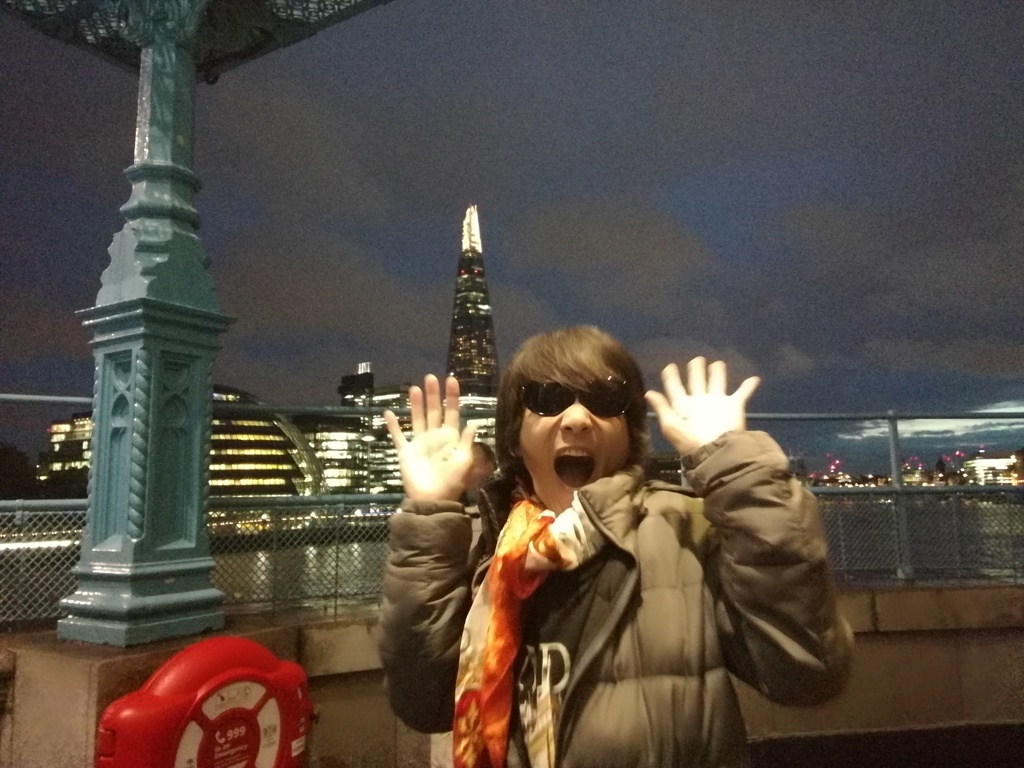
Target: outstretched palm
{"type": "Point", "coordinates": [695, 415]}
{"type": "Point", "coordinates": [435, 462]}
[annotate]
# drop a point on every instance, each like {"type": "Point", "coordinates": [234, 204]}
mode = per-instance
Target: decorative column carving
{"type": "Point", "coordinates": [144, 572]}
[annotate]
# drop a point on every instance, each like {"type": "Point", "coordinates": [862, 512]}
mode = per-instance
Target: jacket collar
{"type": "Point", "coordinates": [609, 502]}
{"type": "Point", "coordinates": [494, 502]}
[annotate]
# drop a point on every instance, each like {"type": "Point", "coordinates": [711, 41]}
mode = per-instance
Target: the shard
{"type": "Point", "coordinates": [472, 354]}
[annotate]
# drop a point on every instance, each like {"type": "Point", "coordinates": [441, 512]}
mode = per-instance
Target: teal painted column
{"type": "Point", "coordinates": [144, 572]}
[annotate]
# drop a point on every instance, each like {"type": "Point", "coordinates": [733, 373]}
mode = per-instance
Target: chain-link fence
{"type": "Point", "coordinates": [321, 552]}
{"type": "Point", "coordinates": [329, 552]}
{"type": "Point", "coordinates": [39, 542]}
{"type": "Point", "coordinates": [270, 554]}
{"type": "Point", "coordinates": [959, 535]}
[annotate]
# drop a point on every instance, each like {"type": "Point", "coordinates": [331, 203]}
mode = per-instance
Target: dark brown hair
{"type": "Point", "coordinates": [574, 357]}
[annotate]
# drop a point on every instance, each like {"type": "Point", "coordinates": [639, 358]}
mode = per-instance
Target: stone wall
{"type": "Point", "coordinates": [923, 658]}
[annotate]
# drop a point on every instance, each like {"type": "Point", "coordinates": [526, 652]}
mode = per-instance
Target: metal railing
{"type": "Point", "coordinates": [39, 543]}
{"type": "Point", "coordinates": [945, 536]}
{"type": "Point", "coordinates": [270, 553]}
{"type": "Point", "coordinates": [329, 552]}
{"type": "Point", "coordinates": [326, 552]}
{"type": "Point", "coordinates": [283, 552]}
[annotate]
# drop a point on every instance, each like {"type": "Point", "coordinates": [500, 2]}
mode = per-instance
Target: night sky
{"type": "Point", "coordinates": [830, 195]}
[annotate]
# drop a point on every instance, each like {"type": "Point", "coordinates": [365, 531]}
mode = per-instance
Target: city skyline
{"type": "Point", "coordinates": [258, 452]}
{"type": "Point", "coordinates": [827, 197]}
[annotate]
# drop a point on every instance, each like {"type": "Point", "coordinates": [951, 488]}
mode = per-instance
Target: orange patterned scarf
{"type": "Point", "coordinates": [483, 702]}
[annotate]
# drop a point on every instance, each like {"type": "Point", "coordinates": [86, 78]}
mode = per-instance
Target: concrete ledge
{"type": "Point", "coordinates": [61, 688]}
{"type": "Point", "coordinates": [6, 663]}
{"type": "Point", "coordinates": [7, 667]}
{"type": "Point", "coordinates": [912, 609]}
{"type": "Point", "coordinates": [956, 746]}
{"type": "Point", "coordinates": [923, 658]}
{"type": "Point", "coordinates": [340, 647]}
{"type": "Point", "coordinates": [922, 609]}
{"type": "Point", "coordinates": [925, 609]}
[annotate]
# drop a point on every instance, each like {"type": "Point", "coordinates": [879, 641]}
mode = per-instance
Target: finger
{"type": "Point", "coordinates": [673, 424]}
{"type": "Point", "coordinates": [468, 437]}
{"type": "Point", "coordinates": [696, 377]}
{"type": "Point", "coordinates": [659, 403]}
{"type": "Point", "coordinates": [672, 384]}
{"type": "Point", "coordinates": [394, 429]}
{"type": "Point", "coordinates": [418, 420]}
{"type": "Point", "coordinates": [746, 389]}
{"type": "Point", "coordinates": [716, 378]}
{"type": "Point", "coordinates": [432, 395]}
{"type": "Point", "coordinates": [451, 402]}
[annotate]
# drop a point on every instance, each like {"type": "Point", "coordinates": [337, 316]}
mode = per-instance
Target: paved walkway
{"type": "Point", "coordinates": [968, 746]}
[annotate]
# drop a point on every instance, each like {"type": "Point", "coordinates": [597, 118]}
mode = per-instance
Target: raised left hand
{"type": "Point", "coordinates": [695, 415]}
{"type": "Point", "coordinates": [436, 461]}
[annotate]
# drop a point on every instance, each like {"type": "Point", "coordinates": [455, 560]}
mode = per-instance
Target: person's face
{"type": "Point", "coordinates": [570, 449]}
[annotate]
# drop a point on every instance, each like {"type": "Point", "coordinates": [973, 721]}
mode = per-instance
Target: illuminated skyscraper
{"type": "Point", "coordinates": [252, 453]}
{"type": "Point", "coordinates": [355, 449]}
{"type": "Point", "coordinates": [339, 440]}
{"type": "Point", "coordinates": [472, 354]}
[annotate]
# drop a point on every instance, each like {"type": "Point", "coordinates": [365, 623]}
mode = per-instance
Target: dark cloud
{"type": "Point", "coordinates": [830, 196]}
{"type": "Point", "coordinates": [905, 290]}
{"type": "Point", "coordinates": [988, 357]}
{"type": "Point", "coordinates": [320, 303]}
{"type": "Point", "coordinates": [305, 161]}
{"type": "Point", "coordinates": [611, 257]}
{"type": "Point", "coordinates": [30, 330]}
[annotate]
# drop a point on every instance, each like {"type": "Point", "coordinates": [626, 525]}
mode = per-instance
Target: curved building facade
{"type": "Point", "coordinates": [252, 453]}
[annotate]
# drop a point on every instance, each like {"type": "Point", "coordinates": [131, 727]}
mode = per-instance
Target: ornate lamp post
{"type": "Point", "coordinates": [144, 572]}
{"type": "Point", "coordinates": [145, 567]}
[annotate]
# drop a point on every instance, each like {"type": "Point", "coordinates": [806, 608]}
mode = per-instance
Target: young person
{"type": "Point", "coordinates": [598, 615]}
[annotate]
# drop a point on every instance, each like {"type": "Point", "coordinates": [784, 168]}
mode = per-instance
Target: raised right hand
{"type": "Point", "coordinates": [435, 463]}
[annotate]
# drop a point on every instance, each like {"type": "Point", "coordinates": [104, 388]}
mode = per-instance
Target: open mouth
{"type": "Point", "coordinates": [574, 470]}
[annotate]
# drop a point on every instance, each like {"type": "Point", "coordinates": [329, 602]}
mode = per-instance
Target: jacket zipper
{"type": "Point", "coordinates": [597, 643]}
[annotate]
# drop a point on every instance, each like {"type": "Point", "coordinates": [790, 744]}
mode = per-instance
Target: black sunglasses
{"type": "Point", "coordinates": [604, 399]}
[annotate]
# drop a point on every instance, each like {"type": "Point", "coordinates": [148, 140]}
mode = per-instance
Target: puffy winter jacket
{"type": "Point", "coordinates": [739, 583]}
